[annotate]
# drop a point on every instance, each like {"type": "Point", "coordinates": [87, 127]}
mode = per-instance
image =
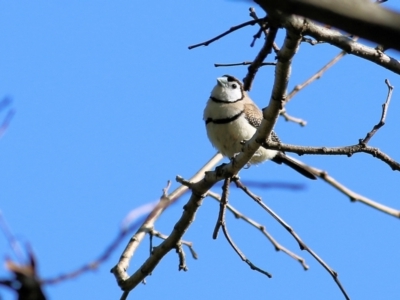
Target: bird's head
{"type": "Point", "coordinates": [228, 89]}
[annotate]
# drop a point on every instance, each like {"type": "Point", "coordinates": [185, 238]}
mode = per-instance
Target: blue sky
{"type": "Point", "coordinates": [109, 105]}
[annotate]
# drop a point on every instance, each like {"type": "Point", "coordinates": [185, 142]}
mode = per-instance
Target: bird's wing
{"type": "Point", "coordinates": [253, 114]}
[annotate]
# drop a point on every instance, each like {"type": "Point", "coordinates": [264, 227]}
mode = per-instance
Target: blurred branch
{"type": "Point", "coordinates": [25, 282]}
{"type": "Point", "coordinates": [359, 17]}
{"type": "Point", "coordinates": [347, 44]}
{"type": "Point", "coordinates": [302, 245]}
{"type": "Point", "coordinates": [277, 246]}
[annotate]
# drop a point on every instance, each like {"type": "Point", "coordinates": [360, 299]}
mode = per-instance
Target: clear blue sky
{"type": "Point", "coordinates": [109, 105]}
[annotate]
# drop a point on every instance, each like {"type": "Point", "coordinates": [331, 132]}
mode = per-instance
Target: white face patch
{"type": "Point", "coordinates": [229, 92]}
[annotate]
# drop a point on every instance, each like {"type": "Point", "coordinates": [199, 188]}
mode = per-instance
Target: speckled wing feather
{"type": "Point", "coordinates": [254, 116]}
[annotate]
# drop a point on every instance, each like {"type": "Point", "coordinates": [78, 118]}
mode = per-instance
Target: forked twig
{"type": "Point", "coordinates": [385, 107]}
{"type": "Point", "coordinates": [158, 234]}
{"type": "Point", "coordinates": [232, 29]}
{"type": "Point", "coordinates": [264, 29]}
{"type": "Point", "coordinates": [222, 224]}
{"type": "Point", "coordinates": [302, 245]}
{"type": "Point", "coordinates": [277, 246]}
{"type": "Point", "coordinates": [289, 118]}
{"type": "Point", "coordinates": [261, 56]}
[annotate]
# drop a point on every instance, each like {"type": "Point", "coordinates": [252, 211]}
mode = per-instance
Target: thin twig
{"type": "Point", "coordinates": [261, 56]}
{"type": "Point", "coordinates": [316, 76]}
{"type": "Point", "coordinates": [232, 29]}
{"type": "Point", "coordinates": [277, 246]}
{"type": "Point", "coordinates": [158, 234]}
{"type": "Point", "coordinates": [245, 63]}
{"type": "Point", "coordinates": [302, 245]}
{"type": "Point", "coordinates": [222, 223]}
{"type": "Point", "coordinates": [289, 118]}
{"type": "Point", "coordinates": [182, 258]}
{"type": "Point", "coordinates": [222, 207]}
{"type": "Point", "coordinates": [385, 107]}
{"type": "Point", "coordinates": [353, 196]}
{"type": "Point", "coordinates": [255, 17]}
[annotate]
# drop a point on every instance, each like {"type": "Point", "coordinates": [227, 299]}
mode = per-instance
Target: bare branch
{"type": "Point", "coordinates": [316, 76]}
{"type": "Point", "coordinates": [222, 223]}
{"type": "Point", "coordinates": [346, 150]}
{"type": "Point", "coordinates": [120, 270]}
{"type": "Point", "coordinates": [261, 56]}
{"type": "Point", "coordinates": [277, 246]}
{"type": "Point", "coordinates": [232, 29]}
{"type": "Point", "coordinates": [222, 207]}
{"type": "Point", "coordinates": [262, 27]}
{"type": "Point", "coordinates": [289, 118]}
{"type": "Point", "coordinates": [200, 187]}
{"type": "Point", "coordinates": [385, 107]}
{"type": "Point", "coordinates": [158, 234]}
{"type": "Point", "coordinates": [302, 245]}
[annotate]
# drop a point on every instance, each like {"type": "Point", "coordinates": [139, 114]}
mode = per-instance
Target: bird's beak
{"type": "Point", "coordinates": [222, 81]}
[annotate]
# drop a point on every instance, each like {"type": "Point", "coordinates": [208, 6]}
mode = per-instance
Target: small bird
{"type": "Point", "coordinates": [232, 117]}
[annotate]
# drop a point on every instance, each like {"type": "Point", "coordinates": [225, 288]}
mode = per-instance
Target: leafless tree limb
{"type": "Point", "coordinates": [346, 150]}
{"type": "Point", "coordinates": [302, 245]}
{"type": "Point", "coordinates": [277, 246]}
{"type": "Point", "coordinates": [261, 56]}
{"type": "Point", "coordinates": [200, 187]}
{"type": "Point", "coordinates": [120, 269]}
{"type": "Point", "coordinates": [222, 223]}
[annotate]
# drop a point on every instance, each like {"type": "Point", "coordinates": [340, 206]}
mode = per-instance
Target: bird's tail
{"type": "Point", "coordinates": [303, 170]}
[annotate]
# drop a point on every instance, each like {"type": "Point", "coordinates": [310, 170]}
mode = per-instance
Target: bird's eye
{"type": "Point", "coordinates": [234, 86]}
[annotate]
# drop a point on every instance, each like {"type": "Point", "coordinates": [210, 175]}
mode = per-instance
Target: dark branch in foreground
{"type": "Point", "coordinates": [361, 18]}
{"type": "Point", "coordinates": [302, 245]}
